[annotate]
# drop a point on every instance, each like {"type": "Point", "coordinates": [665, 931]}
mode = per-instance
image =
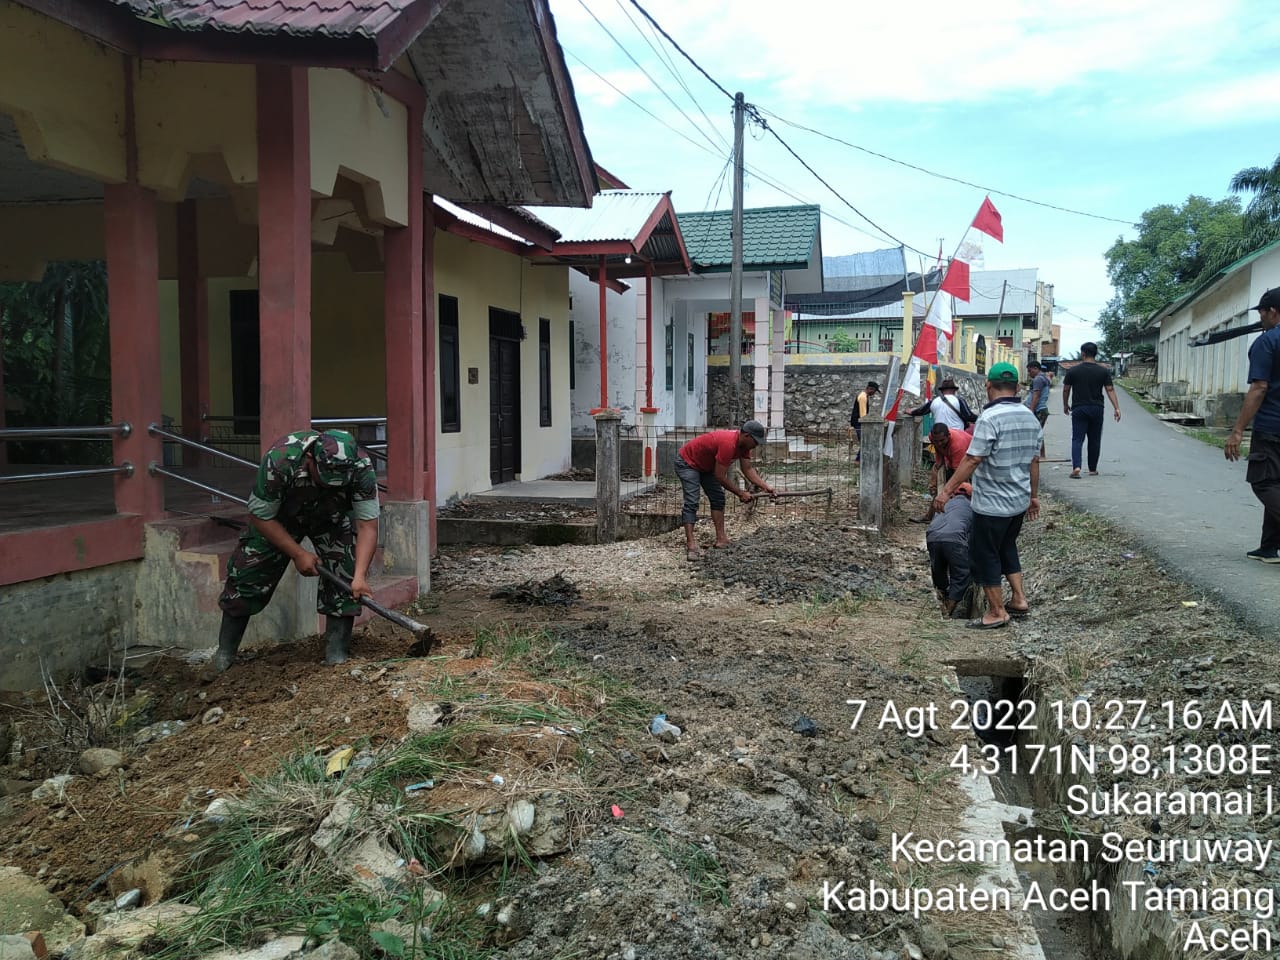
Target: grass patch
{"type": "Point", "coordinates": [825, 605]}
{"type": "Point", "coordinates": [707, 878]}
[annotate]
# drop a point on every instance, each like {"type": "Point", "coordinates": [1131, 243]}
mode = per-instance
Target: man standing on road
{"type": "Point", "coordinates": [1088, 378]}
{"type": "Point", "coordinates": [1262, 406]}
{"type": "Point", "coordinates": [309, 485]}
{"type": "Point", "coordinates": [703, 464]}
{"type": "Point", "coordinates": [861, 407]}
{"type": "Point", "coordinates": [1038, 396]}
{"type": "Point", "coordinates": [1004, 465]}
{"type": "Point", "coordinates": [947, 408]}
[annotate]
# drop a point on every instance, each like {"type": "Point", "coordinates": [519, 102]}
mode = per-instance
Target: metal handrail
{"type": "Point", "coordinates": [318, 422]}
{"type": "Point", "coordinates": [124, 468]}
{"type": "Point", "coordinates": [155, 469]}
{"type": "Point", "coordinates": [122, 429]}
{"type": "Point", "coordinates": [154, 430]}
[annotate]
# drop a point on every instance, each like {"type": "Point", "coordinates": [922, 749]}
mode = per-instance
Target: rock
{"type": "Point", "coordinates": [158, 731]}
{"type": "Point", "coordinates": [96, 759]}
{"type": "Point", "coordinates": [282, 948]}
{"type": "Point", "coordinates": [217, 811]}
{"type": "Point", "coordinates": [805, 727]}
{"type": "Point", "coordinates": [424, 717]}
{"type": "Point", "coordinates": [14, 947]}
{"type": "Point", "coordinates": [25, 904]}
{"type": "Point", "coordinates": [337, 950]}
{"type": "Point", "coordinates": [869, 829]}
{"type": "Point", "coordinates": [912, 951]}
{"type": "Point", "coordinates": [212, 715]}
{"type": "Point", "coordinates": [933, 943]}
{"type": "Point", "coordinates": [118, 933]}
{"type": "Point", "coordinates": [52, 790]}
{"type": "Point", "coordinates": [997, 941]}
{"type": "Point", "coordinates": [16, 788]}
{"type": "Point", "coordinates": [681, 800]}
{"type": "Point", "coordinates": [129, 900]}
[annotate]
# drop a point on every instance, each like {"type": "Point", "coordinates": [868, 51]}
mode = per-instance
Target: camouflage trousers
{"type": "Point", "coordinates": [255, 569]}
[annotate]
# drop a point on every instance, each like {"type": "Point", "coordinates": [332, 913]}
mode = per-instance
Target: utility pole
{"type": "Point", "coordinates": [735, 276]}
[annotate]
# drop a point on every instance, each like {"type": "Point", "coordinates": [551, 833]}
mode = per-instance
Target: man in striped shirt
{"type": "Point", "coordinates": [1004, 464]}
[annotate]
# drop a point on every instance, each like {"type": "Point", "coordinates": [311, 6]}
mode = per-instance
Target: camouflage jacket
{"type": "Point", "coordinates": [283, 470]}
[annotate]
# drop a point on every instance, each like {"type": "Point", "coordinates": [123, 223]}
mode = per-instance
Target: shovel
{"type": "Point", "coordinates": [423, 634]}
{"type": "Point", "coordinates": [824, 492]}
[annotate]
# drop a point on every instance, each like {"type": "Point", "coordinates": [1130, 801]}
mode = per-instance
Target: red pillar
{"type": "Point", "coordinates": [284, 250]}
{"type": "Point", "coordinates": [648, 340]}
{"type": "Point", "coordinates": [602, 280]}
{"type": "Point", "coordinates": [429, 356]}
{"type": "Point", "coordinates": [133, 306]}
{"type": "Point", "coordinates": [402, 316]}
{"type": "Point", "coordinates": [193, 330]}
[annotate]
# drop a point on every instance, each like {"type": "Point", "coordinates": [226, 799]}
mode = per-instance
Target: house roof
{"type": "Point", "coordinates": [773, 238]}
{"type": "Point", "coordinates": [1174, 305]}
{"type": "Point", "coordinates": [632, 230]}
{"type": "Point", "coordinates": [327, 18]}
{"type": "Point", "coordinates": [987, 288]}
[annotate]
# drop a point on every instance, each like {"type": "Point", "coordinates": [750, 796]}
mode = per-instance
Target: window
{"type": "Point", "coordinates": [689, 372]}
{"type": "Point", "coordinates": [450, 381]}
{"type": "Point", "coordinates": [573, 373]}
{"type": "Point", "coordinates": [544, 373]}
{"type": "Point", "coordinates": [671, 356]}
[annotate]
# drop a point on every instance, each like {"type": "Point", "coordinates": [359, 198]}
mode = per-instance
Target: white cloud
{"type": "Point", "coordinates": [607, 87]}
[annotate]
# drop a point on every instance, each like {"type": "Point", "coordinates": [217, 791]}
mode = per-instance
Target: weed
{"type": "Point", "coordinates": [706, 877]}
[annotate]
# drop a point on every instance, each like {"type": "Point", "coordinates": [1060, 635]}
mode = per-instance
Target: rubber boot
{"type": "Point", "coordinates": [337, 638]}
{"type": "Point", "coordinates": [229, 637]}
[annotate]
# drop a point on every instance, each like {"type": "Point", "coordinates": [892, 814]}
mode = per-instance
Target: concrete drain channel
{"type": "Point", "coordinates": [1079, 907]}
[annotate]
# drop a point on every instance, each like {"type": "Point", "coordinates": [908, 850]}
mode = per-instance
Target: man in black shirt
{"type": "Point", "coordinates": [1088, 379]}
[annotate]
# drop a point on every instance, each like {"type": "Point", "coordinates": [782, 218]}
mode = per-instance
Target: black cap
{"type": "Point", "coordinates": [1269, 300]}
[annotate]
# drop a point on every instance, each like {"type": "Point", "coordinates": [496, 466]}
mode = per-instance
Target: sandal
{"type": "Point", "coordinates": [979, 625]}
{"type": "Point", "coordinates": [1074, 475]}
{"type": "Point", "coordinates": [1018, 612]}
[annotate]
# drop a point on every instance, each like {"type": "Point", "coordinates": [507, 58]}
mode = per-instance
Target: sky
{"type": "Point", "coordinates": [1105, 107]}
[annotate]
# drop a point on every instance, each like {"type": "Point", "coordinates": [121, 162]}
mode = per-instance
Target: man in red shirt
{"type": "Point", "coordinates": [949, 447]}
{"type": "Point", "coordinates": [703, 464]}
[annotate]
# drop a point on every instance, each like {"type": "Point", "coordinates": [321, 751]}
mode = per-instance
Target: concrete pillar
{"type": "Point", "coordinates": [906, 453]}
{"type": "Point", "coordinates": [429, 425]}
{"type": "Point", "coordinates": [608, 476]}
{"type": "Point", "coordinates": [602, 281]}
{"type": "Point", "coordinates": [648, 422]}
{"type": "Point", "coordinates": [193, 331]}
{"type": "Point", "coordinates": [133, 308]}
{"type": "Point", "coordinates": [871, 485]}
{"type": "Point", "coordinates": [284, 250]}
{"type": "Point", "coordinates": [778, 374]}
{"type": "Point", "coordinates": [908, 326]}
{"type": "Point", "coordinates": [402, 321]}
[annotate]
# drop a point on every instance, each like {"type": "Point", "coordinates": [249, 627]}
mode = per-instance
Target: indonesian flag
{"type": "Point", "coordinates": [910, 381]}
{"type": "Point", "coordinates": [956, 282]}
{"type": "Point", "coordinates": [891, 416]}
{"type": "Point", "coordinates": [938, 316]}
{"type": "Point", "coordinates": [926, 349]}
{"type": "Point", "coordinates": [988, 220]}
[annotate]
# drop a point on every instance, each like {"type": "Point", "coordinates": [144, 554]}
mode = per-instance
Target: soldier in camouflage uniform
{"type": "Point", "coordinates": [309, 485]}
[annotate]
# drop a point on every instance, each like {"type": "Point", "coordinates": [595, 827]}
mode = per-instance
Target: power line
{"type": "Point", "coordinates": [657, 26]}
{"type": "Point", "coordinates": [621, 46]}
{"type": "Point", "coordinates": [944, 176]}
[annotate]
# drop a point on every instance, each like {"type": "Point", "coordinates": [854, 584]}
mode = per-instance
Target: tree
{"type": "Point", "coordinates": [1176, 247]}
{"type": "Point", "coordinates": [1262, 215]}
{"type": "Point", "coordinates": [841, 342]}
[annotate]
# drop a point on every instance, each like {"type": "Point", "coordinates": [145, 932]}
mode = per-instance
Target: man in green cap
{"type": "Point", "coordinates": [315, 485]}
{"type": "Point", "coordinates": [1003, 461]}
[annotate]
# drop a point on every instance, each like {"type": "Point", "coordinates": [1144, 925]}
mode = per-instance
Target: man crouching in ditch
{"type": "Point", "coordinates": [703, 464]}
{"type": "Point", "coordinates": [309, 485]}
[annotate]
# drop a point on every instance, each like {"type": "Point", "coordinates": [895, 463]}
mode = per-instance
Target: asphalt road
{"type": "Point", "coordinates": [1179, 497]}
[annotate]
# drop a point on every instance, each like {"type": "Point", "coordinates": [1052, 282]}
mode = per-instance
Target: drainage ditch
{"type": "Point", "coordinates": [1004, 726]}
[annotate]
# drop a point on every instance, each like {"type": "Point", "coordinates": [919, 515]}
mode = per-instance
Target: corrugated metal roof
{"type": "Point", "coordinates": [613, 215]}
{"type": "Point", "coordinates": [772, 237]}
{"type": "Point", "coordinates": [985, 288]}
{"type": "Point", "coordinates": [466, 216]}
{"type": "Point", "coordinates": [329, 18]}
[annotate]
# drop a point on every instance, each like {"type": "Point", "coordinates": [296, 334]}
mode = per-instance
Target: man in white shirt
{"type": "Point", "coordinates": [947, 408]}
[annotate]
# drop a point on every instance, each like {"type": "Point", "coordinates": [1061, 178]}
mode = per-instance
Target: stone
{"type": "Point", "coordinates": [281, 948]}
{"type": "Point", "coordinates": [158, 731]}
{"type": "Point", "coordinates": [25, 904]}
{"type": "Point", "coordinates": [52, 790]}
{"type": "Point", "coordinates": [97, 759]}
{"type": "Point", "coordinates": [424, 717]}
{"type": "Point", "coordinates": [337, 950]}
{"type": "Point", "coordinates": [16, 788]}
{"type": "Point", "coordinates": [118, 933]}
{"type": "Point", "coordinates": [869, 829]}
{"type": "Point", "coordinates": [129, 900]}
{"type": "Point", "coordinates": [933, 943]}
{"type": "Point", "coordinates": [912, 951]}
{"type": "Point", "coordinates": [14, 947]}
{"type": "Point", "coordinates": [213, 715]}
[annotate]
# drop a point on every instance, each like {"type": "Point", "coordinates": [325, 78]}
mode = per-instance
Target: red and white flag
{"type": "Point", "coordinates": [956, 282]}
{"type": "Point", "coordinates": [988, 220]}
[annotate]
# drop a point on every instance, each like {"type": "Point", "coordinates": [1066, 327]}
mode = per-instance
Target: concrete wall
{"type": "Point", "coordinates": [481, 277]}
{"type": "Point", "coordinates": [64, 623]}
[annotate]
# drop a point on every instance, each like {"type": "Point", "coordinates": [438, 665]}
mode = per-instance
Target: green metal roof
{"type": "Point", "coordinates": [1175, 305]}
{"type": "Point", "coordinates": [773, 238]}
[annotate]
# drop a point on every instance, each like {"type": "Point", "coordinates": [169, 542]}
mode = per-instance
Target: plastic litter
{"type": "Point", "coordinates": [339, 761]}
{"type": "Point", "coordinates": [659, 727]}
{"type": "Point", "coordinates": [498, 779]}
{"type": "Point", "coordinates": [421, 785]}
{"type": "Point", "coordinates": [617, 811]}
